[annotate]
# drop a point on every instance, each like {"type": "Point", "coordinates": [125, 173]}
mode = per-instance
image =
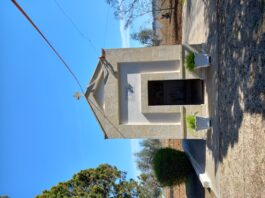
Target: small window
{"type": "Point", "coordinates": [175, 92]}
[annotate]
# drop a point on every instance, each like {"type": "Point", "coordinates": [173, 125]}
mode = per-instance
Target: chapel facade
{"type": "Point", "coordinates": [146, 93]}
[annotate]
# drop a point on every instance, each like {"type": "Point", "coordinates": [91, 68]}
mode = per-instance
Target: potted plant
{"type": "Point", "coordinates": [190, 61]}
{"type": "Point", "coordinates": [197, 123]}
{"type": "Point", "coordinates": [190, 120]}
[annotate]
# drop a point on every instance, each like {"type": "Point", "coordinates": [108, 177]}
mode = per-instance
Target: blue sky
{"type": "Point", "coordinates": [46, 135]}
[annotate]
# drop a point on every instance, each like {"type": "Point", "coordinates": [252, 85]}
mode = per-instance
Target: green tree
{"type": "Point", "coordinates": [149, 186]}
{"type": "Point", "coordinates": [146, 37]}
{"type": "Point", "coordinates": [103, 181]}
{"type": "Point", "coordinates": [145, 156]}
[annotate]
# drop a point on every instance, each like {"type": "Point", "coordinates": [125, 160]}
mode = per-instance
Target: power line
{"type": "Point", "coordinates": [50, 45]}
{"type": "Point", "coordinates": [75, 26]}
{"type": "Point", "coordinates": [105, 117]}
{"type": "Point", "coordinates": [106, 26]}
{"type": "Point", "coordinates": [65, 64]}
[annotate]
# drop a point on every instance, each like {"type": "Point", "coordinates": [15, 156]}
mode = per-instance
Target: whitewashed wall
{"type": "Point", "coordinates": [130, 93]}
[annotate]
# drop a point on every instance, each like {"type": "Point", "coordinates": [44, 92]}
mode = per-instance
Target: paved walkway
{"type": "Point", "coordinates": [194, 28]}
{"type": "Point", "coordinates": [196, 31]}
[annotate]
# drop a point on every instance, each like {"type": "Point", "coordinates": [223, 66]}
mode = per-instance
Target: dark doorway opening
{"type": "Point", "coordinates": [175, 92]}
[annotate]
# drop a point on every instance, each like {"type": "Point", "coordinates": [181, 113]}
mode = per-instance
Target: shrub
{"type": "Point", "coordinates": [190, 120]}
{"type": "Point", "coordinates": [190, 63]}
{"type": "Point", "coordinates": [171, 166]}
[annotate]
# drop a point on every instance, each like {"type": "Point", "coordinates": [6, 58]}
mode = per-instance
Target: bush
{"type": "Point", "coordinates": [190, 63]}
{"type": "Point", "coordinates": [190, 120]}
{"type": "Point", "coordinates": [171, 166]}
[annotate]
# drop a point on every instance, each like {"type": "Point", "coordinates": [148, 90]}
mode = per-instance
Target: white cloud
{"type": "Point", "coordinates": [125, 35]}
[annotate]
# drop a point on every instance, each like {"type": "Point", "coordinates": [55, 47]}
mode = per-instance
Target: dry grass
{"type": "Point", "coordinates": [171, 30]}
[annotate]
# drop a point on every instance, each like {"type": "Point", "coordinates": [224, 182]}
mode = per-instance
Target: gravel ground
{"type": "Point", "coordinates": [238, 142]}
{"type": "Point", "coordinates": [236, 43]}
{"type": "Point", "coordinates": [241, 97]}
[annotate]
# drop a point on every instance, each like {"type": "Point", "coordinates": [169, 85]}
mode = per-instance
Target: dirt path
{"type": "Point", "coordinates": [194, 27]}
{"type": "Point", "coordinates": [170, 31]}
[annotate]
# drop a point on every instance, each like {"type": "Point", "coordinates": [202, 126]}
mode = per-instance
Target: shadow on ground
{"type": "Point", "coordinates": [237, 35]}
{"type": "Point", "coordinates": [197, 148]}
{"type": "Point", "coordinates": [194, 187]}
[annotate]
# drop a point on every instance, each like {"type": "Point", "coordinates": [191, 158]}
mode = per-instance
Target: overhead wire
{"type": "Point", "coordinates": [50, 45]}
{"type": "Point", "coordinates": [107, 119]}
{"type": "Point", "coordinates": [64, 63]}
{"type": "Point", "coordinates": [75, 26]}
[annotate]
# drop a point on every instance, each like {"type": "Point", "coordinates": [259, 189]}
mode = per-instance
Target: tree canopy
{"type": "Point", "coordinates": [108, 181]}
{"type": "Point", "coordinates": [145, 156]}
{"type": "Point", "coordinates": [103, 181]}
{"type": "Point", "coordinates": [147, 180]}
{"type": "Point", "coordinates": [146, 37]}
{"type": "Point", "coordinates": [129, 10]}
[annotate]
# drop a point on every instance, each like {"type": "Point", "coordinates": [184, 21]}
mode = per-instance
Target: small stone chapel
{"type": "Point", "coordinates": [145, 93]}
